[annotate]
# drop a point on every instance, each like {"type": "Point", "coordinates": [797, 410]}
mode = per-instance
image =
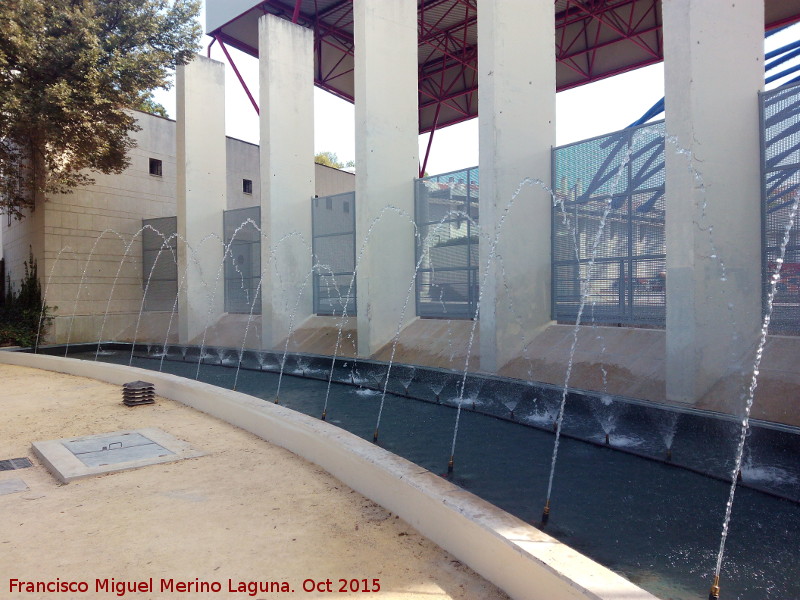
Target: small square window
{"type": "Point", "coordinates": [155, 167]}
{"type": "Point", "coordinates": [247, 186]}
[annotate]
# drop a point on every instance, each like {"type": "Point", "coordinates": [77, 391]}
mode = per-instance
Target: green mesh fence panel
{"type": "Point", "coordinates": [780, 139]}
{"type": "Point", "coordinates": [446, 208]}
{"type": "Point", "coordinates": [609, 204]}
{"type": "Point", "coordinates": [334, 253]}
{"type": "Point", "coordinates": [242, 260]}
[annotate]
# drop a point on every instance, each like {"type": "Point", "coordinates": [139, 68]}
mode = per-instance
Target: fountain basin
{"type": "Point", "coordinates": [698, 440]}
{"type": "Point", "coordinates": [520, 559]}
{"type": "Point", "coordinates": [653, 521]}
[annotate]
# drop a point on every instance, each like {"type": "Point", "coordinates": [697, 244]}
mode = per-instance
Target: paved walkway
{"type": "Point", "coordinates": [245, 513]}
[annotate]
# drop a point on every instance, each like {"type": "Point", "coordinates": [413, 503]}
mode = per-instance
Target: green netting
{"type": "Point", "coordinates": [780, 138]}
{"type": "Point", "coordinates": [446, 209]}
{"type": "Point", "coordinates": [242, 260]}
{"type": "Point", "coordinates": [608, 228]}
{"type": "Point", "coordinates": [334, 239]}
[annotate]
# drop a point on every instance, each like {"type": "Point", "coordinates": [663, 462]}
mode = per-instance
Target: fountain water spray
{"type": "Point", "coordinates": [400, 322]}
{"type": "Point", "coordinates": [226, 253]}
{"type": "Point", "coordinates": [83, 278]}
{"type": "Point", "coordinates": [365, 241]}
{"type": "Point", "coordinates": [737, 470]}
{"type": "Point", "coordinates": [576, 329]}
{"type": "Point", "coordinates": [44, 299]}
{"type": "Point", "coordinates": [164, 244]}
{"type": "Point", "coordinates": [490, 259]}
{"type": "Point", "coordinates": [289, 334]}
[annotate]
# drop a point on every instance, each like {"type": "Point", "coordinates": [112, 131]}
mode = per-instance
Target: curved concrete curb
{"type": "Point", "coordinates": [523, 561]}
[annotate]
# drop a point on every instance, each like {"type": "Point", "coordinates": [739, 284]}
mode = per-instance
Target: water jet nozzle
{"type": "Point", "coordinates": [739, 476]}
{"type": "Point", "coordinates": [450, 465]}
{"type": "Point", "coordinates": [669, 454]}
{"type": "Point", "coordinates": [608, 442]}
{"type": "Point", "coordinates": [277, 400]}
{"type": "Point", "coordinates": [555, 425]}
{"type": "Point", "coordinates": [324, 414]}
{"type": "Point", "coordinates": [713, 593]}
{"type": "Point", "coordinates": [438, 401]}
{"type": "Point", "coordinates": [375, 437]}
{"type": "Point", "coordinates": [546, 513]}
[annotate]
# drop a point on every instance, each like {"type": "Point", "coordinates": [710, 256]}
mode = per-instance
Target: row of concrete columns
{"type": "Point", "coordinates": [714, 69]}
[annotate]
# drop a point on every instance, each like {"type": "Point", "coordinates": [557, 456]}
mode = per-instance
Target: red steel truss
{"type": "Point", "coordinates": [594, 39]}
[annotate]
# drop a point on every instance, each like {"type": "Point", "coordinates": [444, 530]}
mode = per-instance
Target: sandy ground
{"type": "Point", "coordinates": [248, 511]}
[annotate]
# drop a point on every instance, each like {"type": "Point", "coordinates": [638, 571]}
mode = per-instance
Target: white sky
{"type": "Point", "coordinates": [581, 113]}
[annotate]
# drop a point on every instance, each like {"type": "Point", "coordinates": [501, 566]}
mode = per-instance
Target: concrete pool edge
{"type": "Point", "coordinates": [521, 560]}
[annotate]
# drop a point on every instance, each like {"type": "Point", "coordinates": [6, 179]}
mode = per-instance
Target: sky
{"type": "Point", "coordinates": [584, 112]}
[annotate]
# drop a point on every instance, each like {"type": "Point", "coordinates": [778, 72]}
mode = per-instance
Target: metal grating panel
{"type": "Point", "coordinates": [609, 207]}
{"type": "Point", "coordinates": [780, 110]}
{"type": "Point", "coordinates": [11, 464]}
{"type": "Point", "coordinates": [446, 208]}
{"type": "Point", "coordinates": [334, 254]}
{"type": "Point", "coordinates": [242, 260]}
{"type": "Point", "coordinates": [160, 263]}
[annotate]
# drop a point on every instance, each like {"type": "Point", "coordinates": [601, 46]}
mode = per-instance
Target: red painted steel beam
{"type": "Point", "coordinates": [239, 76]}
{"type": "Point", "coordinates": [599, 45]}
{"type": "Point", "coordinates": [234, 43]}
{"type": "Point", "coordinates": [451, 96]}
{"type": "Point", "coordinates": [436, 66]}
{"type": "Point", "coordinates": [601, 17]}
{"type": "Point", "coordinates": [430, 141]}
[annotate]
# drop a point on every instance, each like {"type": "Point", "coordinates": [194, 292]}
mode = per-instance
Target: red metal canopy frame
{"type": "Point", "coordinates": [595, 39]}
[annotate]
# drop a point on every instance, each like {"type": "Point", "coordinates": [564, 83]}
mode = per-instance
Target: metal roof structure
{"type": "Point", "coordinates": [595, 39]}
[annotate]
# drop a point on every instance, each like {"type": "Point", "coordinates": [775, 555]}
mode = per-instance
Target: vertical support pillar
{"type": "Point", "coordinates": [286, 75]}
{"type": "Point", "coordinates": [387, 162]}
{"type": "Point", "coordinates": [201, 193]}
{"type": "Point", "coordinates": [517, 100]}
{"type": "Point", "coordinates": [714, 67]}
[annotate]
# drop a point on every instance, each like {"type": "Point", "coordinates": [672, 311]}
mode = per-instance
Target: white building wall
{"type": "Point", "coordinates": [219, 13]}
{"type": "Point", "coordinates": [83, 239]}
{"type": "Point", "coordinates": [330, 181]}
{"type": "Point", "coordinates": [243, 163]}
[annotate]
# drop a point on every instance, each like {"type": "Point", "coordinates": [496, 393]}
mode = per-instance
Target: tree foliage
{"type": "Point", "coordinates": [69, 72]}
{"type": "Point", "coordinates": [24, 318]}
{"type": "Point", "coordinates": [329, 159]}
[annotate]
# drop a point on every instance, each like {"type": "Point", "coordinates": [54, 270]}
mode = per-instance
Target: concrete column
{"type": "Point", "coordinates": [714, 67]}
{"type": "Point", "coordinates": [517, 108]}
{"type": "Point", "coordinates": [286, 76]}
{"type": "Point", "coordinates": [387, 161]}
{"type": "Point", "coordinates": [201, 193]}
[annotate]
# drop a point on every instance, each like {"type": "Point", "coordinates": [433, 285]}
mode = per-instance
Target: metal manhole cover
{"type": "Point", "coordinates": [114, 449]}
{"type": "Point", "coordinates": [73, 458]}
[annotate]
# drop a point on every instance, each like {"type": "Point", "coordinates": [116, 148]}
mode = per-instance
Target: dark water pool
{"type": "Point", "coordinates": [657, 524]}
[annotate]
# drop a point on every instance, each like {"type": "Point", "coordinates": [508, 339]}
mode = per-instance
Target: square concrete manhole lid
{"type": "Point", "coordinates": [73, 458]}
